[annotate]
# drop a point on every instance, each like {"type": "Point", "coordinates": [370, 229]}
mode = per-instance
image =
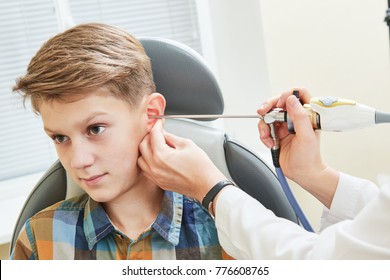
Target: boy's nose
{"type": "Point", "coordinates": [81, 157]}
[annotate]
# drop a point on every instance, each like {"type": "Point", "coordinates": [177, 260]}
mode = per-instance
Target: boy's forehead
{"type": "Point", "coordinates": [83, 107]}
{"type": "Point", "coordinates": [91, 97]}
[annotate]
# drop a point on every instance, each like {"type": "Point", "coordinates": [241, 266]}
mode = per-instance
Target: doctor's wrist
{"type": "Point", "coordinates": [210, 198]}
{"type": "Point", "coordinates": [207, 182]}
{"type": "Point", "coordinates": [323, 186]}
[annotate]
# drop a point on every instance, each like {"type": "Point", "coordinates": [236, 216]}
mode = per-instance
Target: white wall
{"type": "Point", "coordinates": [338, 48]}
{"type": "Point", "coordinates": [240, 63]}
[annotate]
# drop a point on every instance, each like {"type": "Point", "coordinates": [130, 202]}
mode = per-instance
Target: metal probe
{"type": "Point", "coordinates": [207, 117]}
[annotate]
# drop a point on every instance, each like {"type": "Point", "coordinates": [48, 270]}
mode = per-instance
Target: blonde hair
{"type": "Point", "coordinates": [85, 58]}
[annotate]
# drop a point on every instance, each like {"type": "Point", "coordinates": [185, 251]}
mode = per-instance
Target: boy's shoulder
{"type": "Point", "coordinates": [75, 204]}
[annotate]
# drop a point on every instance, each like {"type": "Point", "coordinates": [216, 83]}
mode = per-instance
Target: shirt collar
{"type": "Point", "coordinates": [97, 225]}
{"type": "Point", "coordinates": [168, 221]}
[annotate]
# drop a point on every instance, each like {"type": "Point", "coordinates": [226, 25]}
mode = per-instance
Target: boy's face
{"type": "Point", "coordinates": [97, 140]}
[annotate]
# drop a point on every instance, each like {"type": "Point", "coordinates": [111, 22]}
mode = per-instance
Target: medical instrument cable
{"type": "Point", "coordinates": [291, 199]}
{"type": "Point", "coordinates": [275, 152]}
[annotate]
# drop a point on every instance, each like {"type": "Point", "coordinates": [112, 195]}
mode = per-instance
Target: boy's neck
{"type": "Point", "coordinates": [136, 210]}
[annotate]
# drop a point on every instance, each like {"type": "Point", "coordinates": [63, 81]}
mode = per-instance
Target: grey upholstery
{"type": "Point", "coordinates": [189, 88]}
{"type": "Point", "coordinates": [183, 78]}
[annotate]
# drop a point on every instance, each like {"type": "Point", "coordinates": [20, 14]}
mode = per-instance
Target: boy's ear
{"type": "Point", "coordinates": [155, 106]}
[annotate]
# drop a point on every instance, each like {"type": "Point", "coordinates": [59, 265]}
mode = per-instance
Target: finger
{"type": "Point", "coordinates": [149, 159]}
{"type": "Point", "coordinates": [175, 141]}
{"type": "Point", "coordinates": [157, 139]}
{"type": "Point", "coordinates": [282, 130]}
{"type": "Point", "coordinates": [145, 154]}
{"type": "Point", "coordinates": [299, 117]}
{"type": "Point", "coordinates": [264, 132]}
{"type": "Point", "coordinates": [161, 139]}
{"type": "Point", "coordinates": [282, 99]}
{"type": "Point", "coordinates": [146, 170]}
{"type": "Point", "coordinates": [144, 147]}
{"type": "Point", "coordinates": [303, 94]}
{"type": "Point", "coordinates": [267, 106]}
{"type": "Point", "coordinates": [158, 126]}
{"type": "Point", "coordinates": [143, 164]}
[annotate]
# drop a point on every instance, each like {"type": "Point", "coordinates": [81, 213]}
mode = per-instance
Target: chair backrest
{"type": "Point", "coordinates": [189, 87]}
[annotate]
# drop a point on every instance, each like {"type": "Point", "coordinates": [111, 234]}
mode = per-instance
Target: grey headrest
{"type": "Point", "coordinates": [183, 77]}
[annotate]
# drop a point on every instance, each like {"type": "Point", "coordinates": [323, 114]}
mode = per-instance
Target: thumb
{"type": "Point", "coordinates": [156, 135]}
{"type": "Point", "coordinates": [174, 141]}
{"type": "Point", "coordinates": [299, 117]}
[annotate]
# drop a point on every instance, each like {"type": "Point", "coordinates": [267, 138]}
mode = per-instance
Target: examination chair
{"type": "Point", "coordinates": [189, 87]}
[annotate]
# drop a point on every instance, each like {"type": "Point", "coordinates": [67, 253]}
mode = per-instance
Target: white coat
{"type": "Point", "coordinates": [357, 226]}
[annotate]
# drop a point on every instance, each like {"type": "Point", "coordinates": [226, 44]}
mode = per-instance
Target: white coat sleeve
{"type": "Point", "coordinates": [249, 231]}
{"type": "Point", "coordinates": [351, 196]}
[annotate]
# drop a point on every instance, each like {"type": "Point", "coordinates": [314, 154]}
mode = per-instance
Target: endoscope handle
{"type": "Point", "coordinates": [337, 114]}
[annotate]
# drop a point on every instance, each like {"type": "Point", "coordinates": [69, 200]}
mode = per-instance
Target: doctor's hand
{"type": "Point", "coordinates": [300, 157]}
{"type": "Point", "coordinates": [177, 164]}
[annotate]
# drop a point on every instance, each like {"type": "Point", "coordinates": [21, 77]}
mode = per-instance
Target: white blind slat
{"type": "Point", "coordinates": [24, 26]}
{"type": "Point", "coordinates": [155, 18]}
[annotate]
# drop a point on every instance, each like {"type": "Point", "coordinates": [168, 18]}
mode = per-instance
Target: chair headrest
{"type": "Point", "coordinates": [183, 78]}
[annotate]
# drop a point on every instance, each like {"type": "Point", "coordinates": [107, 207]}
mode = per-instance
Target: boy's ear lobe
{"type": "Point", "coordinates": [155, 106]}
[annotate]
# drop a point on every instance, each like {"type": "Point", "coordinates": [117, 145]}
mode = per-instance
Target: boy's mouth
{"type": "Point", "coordinates": [93, 180]}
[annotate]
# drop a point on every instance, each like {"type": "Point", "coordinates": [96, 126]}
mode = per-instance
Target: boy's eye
{"type": "Point", "coordinates": [60, 138]}
{"type": "Point", "coordinates": [96, 129]}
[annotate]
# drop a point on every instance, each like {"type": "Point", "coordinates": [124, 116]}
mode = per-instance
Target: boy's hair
{"type": "Point", "coordinates": [85, 58]}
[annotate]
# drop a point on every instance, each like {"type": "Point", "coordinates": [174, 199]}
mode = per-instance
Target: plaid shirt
{"type": "Point", "coordinates": [79, 228]}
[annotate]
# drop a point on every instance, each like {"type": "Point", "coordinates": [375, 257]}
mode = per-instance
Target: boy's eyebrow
{"type": "Point", "coordinates": [92, 116]}
{"type": "Point", "coordinates": [79, 123]}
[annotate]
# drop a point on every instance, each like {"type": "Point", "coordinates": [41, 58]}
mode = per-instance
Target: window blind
{"type": "Point", "coordinates": [25, 25]}
{"type": "Point", "coordinates": [171, 19]}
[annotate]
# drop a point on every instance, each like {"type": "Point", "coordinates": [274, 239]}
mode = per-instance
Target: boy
{"type": "Point", "coordinates": [93, 87]}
